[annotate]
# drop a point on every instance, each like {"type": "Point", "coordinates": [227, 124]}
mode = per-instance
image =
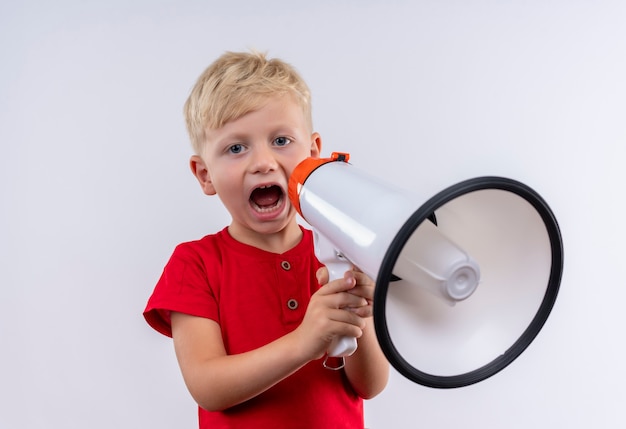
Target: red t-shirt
{"type": "Point", "coordinates": [256, 297]}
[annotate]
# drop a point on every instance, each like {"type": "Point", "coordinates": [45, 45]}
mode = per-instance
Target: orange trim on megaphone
{"type": "Point", "coordinates": [304, 170]}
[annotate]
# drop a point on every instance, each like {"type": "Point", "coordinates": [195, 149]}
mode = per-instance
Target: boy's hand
{"type": "Point", "coordinates": [363, 287]}
{"type": "Point", "coordinates": [334, 310]}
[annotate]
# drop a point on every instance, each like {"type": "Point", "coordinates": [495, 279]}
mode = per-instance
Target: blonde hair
{"type": "Point", "coordinates": [238, 83]}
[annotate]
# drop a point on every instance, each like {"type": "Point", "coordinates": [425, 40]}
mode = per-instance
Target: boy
{"type": "Point", "coordinates": [250, 309]}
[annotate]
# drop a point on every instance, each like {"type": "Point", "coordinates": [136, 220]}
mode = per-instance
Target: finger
{"type": "Point", "coordinates": [322, 275]}
{"type": "Point", "coordinates": [364, 286]}
{"type": "Point", "coordinates": [345, 300]}
{"type": "Point", "coordinates": [340, 285]}
{"type": "Point", "coordinates": [366, 292]}
{"type": "Point", "coordinates": [361, 278]}
{"type": "Point", "coordinates": [334, 295]}
{"type": "Point", "coordinates": [364, 311]}
{"type": "Point", "coordinates": [348, 323]}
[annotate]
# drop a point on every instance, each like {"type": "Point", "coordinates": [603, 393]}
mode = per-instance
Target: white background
{"type": "Point", "coordinates": [95, 189]}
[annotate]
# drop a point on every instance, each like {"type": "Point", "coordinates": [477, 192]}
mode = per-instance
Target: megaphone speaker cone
{"type": "Point", "coordinates": [514, 237]}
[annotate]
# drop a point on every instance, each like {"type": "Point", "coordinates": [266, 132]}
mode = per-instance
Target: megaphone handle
{"type": "Point", "coordinates": [340, 346]}
{"type": "Point", "coordinates": [337, 265]}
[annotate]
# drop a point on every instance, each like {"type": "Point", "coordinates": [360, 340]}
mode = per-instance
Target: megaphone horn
{"type": "Point", "coordinates": [475, 289]}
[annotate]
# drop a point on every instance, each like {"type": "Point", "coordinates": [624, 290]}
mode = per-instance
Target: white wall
{"type": "Point", "coordinates": [96, 191]}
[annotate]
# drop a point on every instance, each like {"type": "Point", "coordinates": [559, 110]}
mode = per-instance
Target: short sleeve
{"type": "Point", "coordinates": [183, 287]}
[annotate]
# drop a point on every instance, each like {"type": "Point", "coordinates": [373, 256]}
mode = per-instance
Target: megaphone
{"type": "Point", "coordinates": [465, 280]}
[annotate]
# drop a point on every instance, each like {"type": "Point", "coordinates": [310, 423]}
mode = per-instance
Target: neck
{"type": "Point", "coordinates": [274, 242]}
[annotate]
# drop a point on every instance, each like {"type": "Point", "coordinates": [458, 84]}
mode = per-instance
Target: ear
{"type": "Point", "coordinates": [201, 171]}
{"type": "Point", "coordinates": [316, 145]}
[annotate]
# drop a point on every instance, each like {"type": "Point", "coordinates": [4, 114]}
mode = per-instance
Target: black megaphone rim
{"type": "Point", "coordinates": [385, 276]}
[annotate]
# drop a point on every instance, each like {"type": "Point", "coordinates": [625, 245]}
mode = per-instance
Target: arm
{"type": "Point", "coordinates": [367, 369]}
{"type": "Point", "coordinates": [218, 381]}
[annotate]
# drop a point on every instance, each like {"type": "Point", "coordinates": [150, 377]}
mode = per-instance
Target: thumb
{"type": "Point", "coordinates": [322, 276]}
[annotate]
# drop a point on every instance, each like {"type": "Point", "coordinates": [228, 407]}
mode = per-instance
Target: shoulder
{"type": "Point", "coordinates": [209, 246]}
{"type": "Point", "coordinates": [187, 283]}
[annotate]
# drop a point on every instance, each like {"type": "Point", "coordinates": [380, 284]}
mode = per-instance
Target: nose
{"type": "Point", "coordinates": [263, 160]}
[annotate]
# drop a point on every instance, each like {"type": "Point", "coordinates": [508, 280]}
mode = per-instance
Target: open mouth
{"type": "Point", "coordinates": [266, 198]}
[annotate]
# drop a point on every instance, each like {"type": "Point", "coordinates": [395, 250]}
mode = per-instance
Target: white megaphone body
{"type": "Point", "coordinates": [390, 234]}
{"type": "Point", "coordinates": [356, 217]}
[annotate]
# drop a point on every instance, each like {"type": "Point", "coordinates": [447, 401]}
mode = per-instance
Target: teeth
{"type": "Point", "coordinates": [267, 209]}
{"type": "Point", "coordinates": [265, 198]}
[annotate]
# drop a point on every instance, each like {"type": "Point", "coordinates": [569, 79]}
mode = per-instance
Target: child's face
{"type": "Point", "coordinates": [248, 161]}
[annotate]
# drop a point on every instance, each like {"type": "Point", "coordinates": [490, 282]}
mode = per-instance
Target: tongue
{"type": "Point", "coordinates": [266, 197]}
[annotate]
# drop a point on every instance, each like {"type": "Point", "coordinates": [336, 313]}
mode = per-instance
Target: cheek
{"type": "Point", "coordinates": [224, 180]}
{"type": "Point", "coordinates": [303, 153]}
{"type": "Point", "coordinates": [226, 186]}
{"type": "Point", "coordinates": [289, 169]}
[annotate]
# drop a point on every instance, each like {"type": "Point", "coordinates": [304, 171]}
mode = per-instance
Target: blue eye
{"type": "Point", "coordinates": [282, 141]}
{"type": "Point", "coordinates": [236, 148]}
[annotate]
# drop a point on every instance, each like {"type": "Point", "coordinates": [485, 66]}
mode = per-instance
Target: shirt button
{"type": "Point", "coordinates": [292, 304]}
{"type": "Point", "coordinates": [286, 265]}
